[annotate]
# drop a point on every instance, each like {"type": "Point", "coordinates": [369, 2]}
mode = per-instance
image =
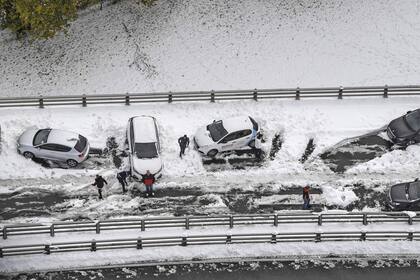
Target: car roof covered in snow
{"type": "Point", "coordinates": [237, 123]}
{"type": "Point", "coordinates": [144, 129]}
{"type": "Point", "coordinates": [63, 137]}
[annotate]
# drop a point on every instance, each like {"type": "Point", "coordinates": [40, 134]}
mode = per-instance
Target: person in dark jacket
{"type": "Point", "coordinates": [183, 142]}
{"type": "Point", "coordinates": [99, 183]}
{"type": "Point", "coordinates": [149, 179]}
{"type": "Point", "coordinates": [122, 178]}
{"type": "Point", "coordinates": [306, 198]}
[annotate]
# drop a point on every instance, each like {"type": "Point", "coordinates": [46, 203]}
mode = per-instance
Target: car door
{"type": "Point", "coordinates": [53, 151]}
{"type": "Point", "coordinates": [234, 140]}
{"type": "Point", "coordinates": [244, 137]}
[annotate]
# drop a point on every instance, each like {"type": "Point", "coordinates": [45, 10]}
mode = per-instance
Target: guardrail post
{"type": "Point", "coordinates": [184, 241]}
{"type": "Point", "coordinates": [98, 227]}
{"type": "Point", "coordinates": [143, 225]}
{"type": "Point", "coordinates": [1, 252]}
{"type": "Point", "coordinates": [47, 249]}
{"type": "Point", "coordinates": [255, 94]}
{"type": "Point", "coordinates": [410, 220]}
{"type": "Point", "coordinates": [52, 233]}
{"type": "Point", "coordinates": [127, 99]}
{"type": "Point", "coordinates": [84, 100]}
{"type": "Point", "coordinates": [41, 102]}
{"type": "Point", "coordinates": [363, 236]}
{"type": "Point", "coordinates": [386, 91]}
{"type": "Point", "coordinates": [276, 220]}
{"type": "Point", "coordinates": [212, 99]}
{"type": "Point", "coordinates": [410, 236]}
{"type": "Point", "coordinates": [93, 245]}
{"type": "Point", "coordinates": [187, 223]}
{"type": "Point", "coordinates": [4, 232]}
{"type": "Point", "coordinates": [340, 93]}
{"type": "Point", "coordinates": [318, 237]}
{"type": "Point", "coordinates": [297, 93]}
{"type": "Point", "coordinates": [365, 220]}
{"type": "Point", "coordinates": [139, 243]}
{"type": "Point", "coordinates": [320, 220]}
{"type": "Point", "coordinates": [231, 221]}
{"type": "Point", "coordinates": [228, 239]}
{"type": "Point", "coordinates": [273, 238]}
{"type": "Point", "coordinates": [170, 97]}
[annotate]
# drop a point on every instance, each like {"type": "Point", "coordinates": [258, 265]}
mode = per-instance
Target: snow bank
{"type": "Point", "coordinates": [338, 196]}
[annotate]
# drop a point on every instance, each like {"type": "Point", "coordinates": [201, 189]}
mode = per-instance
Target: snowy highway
{"type": "Point", "coordinates": [306, 129]}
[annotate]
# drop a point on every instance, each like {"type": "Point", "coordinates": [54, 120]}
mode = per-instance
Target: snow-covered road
{"type": "Point", "coordinates": [327, 121]}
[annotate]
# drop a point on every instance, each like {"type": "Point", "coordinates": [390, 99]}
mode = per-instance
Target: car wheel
{"type": "Point", "coordinates": [212, 153]}
{"type": "Point", "coordinates": [72, 163]}
{"type": "Point", "coordinates": [28, 155]}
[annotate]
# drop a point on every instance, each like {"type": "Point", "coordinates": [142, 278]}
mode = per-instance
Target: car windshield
{"type": "Point", "coordinates": [413, 120]}
{"type": "Point", "coordinates": [414, 191]}
{"type": "Point", "coordinates": [217, 131]}
{"type": "Point", "coordinates": [81, 144]}
{"type": "Point", "coordinates": [145, 150]}
{"type": "Point", "coordinates": [41, 136]}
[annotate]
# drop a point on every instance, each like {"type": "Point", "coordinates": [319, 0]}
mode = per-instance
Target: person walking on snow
{"type": "Point", "coordinates": [122, 178]}
{"type": "Point", "coordinates": [99, 183]}
{"type": "Point", "coordinates": [306, 198]}
{"type": "Point", "coordinates": [183, 142]}
{"type": "Point", "coordinates": [149, 180]}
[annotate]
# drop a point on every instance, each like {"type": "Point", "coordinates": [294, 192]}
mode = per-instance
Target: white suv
{"type": "Point", "coordinates": [236, 133]}
{"type": "Point", "coordinates": [144, 146]}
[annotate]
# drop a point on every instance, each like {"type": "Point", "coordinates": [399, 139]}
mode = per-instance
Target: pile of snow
{"type": "Point", "coordinates": [219, 44]}
{"type": "Point", "coordinates": [338, 196]}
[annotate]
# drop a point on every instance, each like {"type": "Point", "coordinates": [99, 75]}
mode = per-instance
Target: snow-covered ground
{"type": "Point", "coordinates": [204, 45]}
{"type": "Point", "coordinates": [328, 121]}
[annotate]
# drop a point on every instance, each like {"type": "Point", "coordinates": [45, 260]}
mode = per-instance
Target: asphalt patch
{"type": "Point", "coordinates": [356, 150]}
{"type": "Point", "coordinates": [310, 147]}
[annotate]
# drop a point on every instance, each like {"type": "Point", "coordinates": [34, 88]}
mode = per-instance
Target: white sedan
{"type": "Point", "coordinates": [231, 134]}
{"type": "Point", "coordinates": [144, 146]}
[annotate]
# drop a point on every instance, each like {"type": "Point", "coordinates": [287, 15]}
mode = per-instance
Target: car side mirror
{"type": "Point", "coordinates": [416, 180]}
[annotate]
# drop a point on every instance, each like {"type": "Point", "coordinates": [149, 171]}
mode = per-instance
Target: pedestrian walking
{"type": "Point", "coordinates": [148, 180]}
{"type": "Point", "coordinates": [306, 198]}
{"type": "Point", "coordinates": [122, 178]}
{"type": "Point", "coordinates": [183, 142]}
{"type": "Point", "coordinates": [99, 183]}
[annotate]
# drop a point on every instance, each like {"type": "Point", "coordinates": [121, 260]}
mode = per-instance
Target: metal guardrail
{"type": "Point", "coordinates": [210, 96]}
{"type": "Point", "coordinates": [140, 243]}
{"type": "Point", "coordinates": [199, 221]}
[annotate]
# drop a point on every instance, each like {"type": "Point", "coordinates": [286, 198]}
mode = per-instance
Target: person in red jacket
{"type": "Point", "coordinates": [306, 198]}
{"type": "Point", "coordinates": [149, 180]}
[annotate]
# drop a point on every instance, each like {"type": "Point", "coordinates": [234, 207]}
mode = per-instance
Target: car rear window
{"type": "Point", "coordinates": [41, 136]}
{"type": "Point", "coordinates": [217, 131]}
{"type": "Point", "coordinates": [254, 124]}
{"type": "Point", "coordinates": [81, 144]}
{"type": "Point", "coordinates": [145, 150]}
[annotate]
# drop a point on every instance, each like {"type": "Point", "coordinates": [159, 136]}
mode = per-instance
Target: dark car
{"type": "Point", "coordinates": [404, 196]}
{"type": "Point", "coordinates": [405, 130]}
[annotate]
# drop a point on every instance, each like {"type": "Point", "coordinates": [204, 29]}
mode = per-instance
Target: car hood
{"type": "Point", "coordinates": [399, 128]}
{"type": "Point", "coordinates": [398, 193]}
{"type": "Point", "coordinates": [27, 137]}
{"type": "Point", "coordinates": [142, 165]}
{"type": "Point", "coordinates": [202, 137]}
